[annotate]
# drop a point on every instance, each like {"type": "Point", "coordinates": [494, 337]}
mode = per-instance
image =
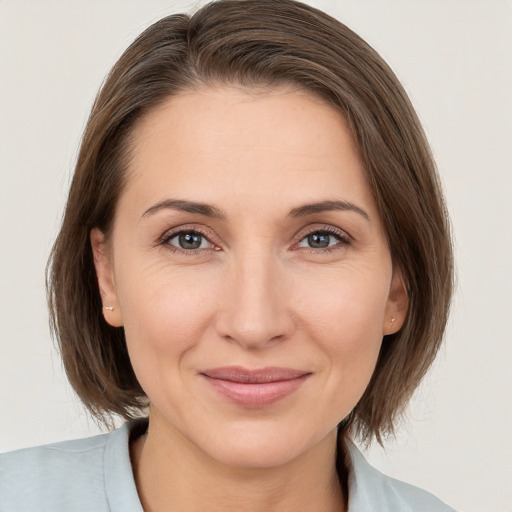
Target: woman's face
{"type": "Point", "coordinates": [250, 270]}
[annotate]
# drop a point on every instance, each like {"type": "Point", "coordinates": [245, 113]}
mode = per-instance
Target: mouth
{"type": "Point", "coordinates": [254, 388]}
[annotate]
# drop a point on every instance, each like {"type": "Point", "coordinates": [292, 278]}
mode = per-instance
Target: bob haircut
{"type": "Point", "coordinates": [258, 44]}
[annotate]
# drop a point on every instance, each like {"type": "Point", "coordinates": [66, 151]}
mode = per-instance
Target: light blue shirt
{"type": "Point", "coordinates": [95, 475]}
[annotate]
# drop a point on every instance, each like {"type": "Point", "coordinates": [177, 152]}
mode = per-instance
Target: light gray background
{"type": "Point", "coordinates": [454, 58]}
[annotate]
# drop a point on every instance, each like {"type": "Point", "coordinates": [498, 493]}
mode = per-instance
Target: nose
{"type": "Point", "coordinates": [254, 302]}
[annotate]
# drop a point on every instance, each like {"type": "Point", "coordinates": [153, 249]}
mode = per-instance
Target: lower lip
{"type": "Point", "coordinates": [255, 395]}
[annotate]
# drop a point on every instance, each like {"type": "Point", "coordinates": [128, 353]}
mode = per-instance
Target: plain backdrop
{"type": "Point", "coordinates": [455, 60]}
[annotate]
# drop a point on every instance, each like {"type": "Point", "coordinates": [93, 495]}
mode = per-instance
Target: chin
{"type": "Point", "coordinates": [247, 447]}
{"type": "Point", "coordinates": [256, 455]}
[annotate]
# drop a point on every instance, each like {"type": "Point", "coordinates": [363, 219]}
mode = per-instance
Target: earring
{"type": "Point", "coordinates": [109, 308]}
{"type": "Point", "coordinates": [393, 321]}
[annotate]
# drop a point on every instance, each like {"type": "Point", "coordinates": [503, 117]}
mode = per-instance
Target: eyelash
{"type": "Point", "coordinates": [165, 241]}
{"type": "Point", "coordinates": [343, 240]}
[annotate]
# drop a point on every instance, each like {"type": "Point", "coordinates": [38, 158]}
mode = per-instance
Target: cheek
{"type": "Point", "coordinates": [345, 320]}
{"type": "Point", "coordinates": [347, 305]}
{"type": "Point", "coordinates": [165, 315]}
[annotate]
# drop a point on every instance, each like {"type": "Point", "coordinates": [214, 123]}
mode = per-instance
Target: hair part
{"type": "Point", "coordinates": [256, 44]}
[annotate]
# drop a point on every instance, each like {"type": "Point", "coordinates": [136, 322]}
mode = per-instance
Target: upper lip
{"type": "Point", "coordinates": [256, 376]}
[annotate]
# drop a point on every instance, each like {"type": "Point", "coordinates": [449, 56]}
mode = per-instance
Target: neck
{"type": "Point", "coordinates": [171, 474]}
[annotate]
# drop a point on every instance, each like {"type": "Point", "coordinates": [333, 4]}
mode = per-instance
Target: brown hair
{"type": "Point", "coordinates": [257, 43]}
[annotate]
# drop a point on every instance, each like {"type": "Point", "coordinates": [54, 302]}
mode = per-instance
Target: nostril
{"type": "Point", "coordinates": [254, 335]}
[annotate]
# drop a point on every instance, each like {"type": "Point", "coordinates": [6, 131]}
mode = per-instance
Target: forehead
{"type": "Point", "coordinates": [210, 144]}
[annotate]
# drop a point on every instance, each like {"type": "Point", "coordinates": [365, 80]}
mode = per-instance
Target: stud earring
{"type": "Point", "coordinates": [109, 308]}
{"type": "Point", "coordinates": [393, 321]}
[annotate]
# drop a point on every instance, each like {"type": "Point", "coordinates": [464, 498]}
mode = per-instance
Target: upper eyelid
{"type": "Point", "coordinates": [172, 232]}
{"type": "Point", "coordinates": [323, 228]}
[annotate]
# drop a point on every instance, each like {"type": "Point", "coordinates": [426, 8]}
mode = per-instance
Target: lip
{"type": "Point", "coordinates": [254, 388]}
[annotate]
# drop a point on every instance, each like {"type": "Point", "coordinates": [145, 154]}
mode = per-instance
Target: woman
{"type": "Point", "coordinates": [256, 254]}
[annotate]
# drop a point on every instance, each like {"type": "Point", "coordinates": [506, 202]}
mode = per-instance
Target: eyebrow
{"type": "Point", "coordinates": [211, 211]}
{"type": "Point", "coordinates": [186, 206]}
{"type": "Point", "coordinates": [325, 206]}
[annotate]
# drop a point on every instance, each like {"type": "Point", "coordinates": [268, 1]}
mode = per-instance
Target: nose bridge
{"type": "Point", "coordinates": [256, 310]}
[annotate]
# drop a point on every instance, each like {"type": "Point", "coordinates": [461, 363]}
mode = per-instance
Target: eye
{"type": "Point", "coordinates": [323, 239]}
{"type": "Point", "coordinates": [188, 241]}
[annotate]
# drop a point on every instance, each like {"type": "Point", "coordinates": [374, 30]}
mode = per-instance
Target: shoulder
{"type": "Point", "coordinates": [54, 476]}
{"type": "Point", "coordinates": [69, 476]}
{"type": "Point", "coordinates": [369, 489]}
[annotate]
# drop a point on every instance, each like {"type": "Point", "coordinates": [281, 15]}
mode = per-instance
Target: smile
{"type": "Point", "coordinates": [254, 388]}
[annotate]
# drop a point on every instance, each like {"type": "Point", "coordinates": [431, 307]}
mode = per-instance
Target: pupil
{"type": "Point", "coordinates": [318, 240]}
{"type": "Point", "coordinates": [190, 241]}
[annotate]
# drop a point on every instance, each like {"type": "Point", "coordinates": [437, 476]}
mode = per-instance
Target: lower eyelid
{"type": "Point", "coordinates": [341, 243]}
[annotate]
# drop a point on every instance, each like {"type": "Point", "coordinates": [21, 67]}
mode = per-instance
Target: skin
{"type": "Point", "coordinates": [255, 294]}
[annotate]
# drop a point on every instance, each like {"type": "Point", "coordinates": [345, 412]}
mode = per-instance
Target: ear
{"type": "Point", "coordinates": [396, 306]}
{"type": "Point", "coordinates": [105, 275]}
